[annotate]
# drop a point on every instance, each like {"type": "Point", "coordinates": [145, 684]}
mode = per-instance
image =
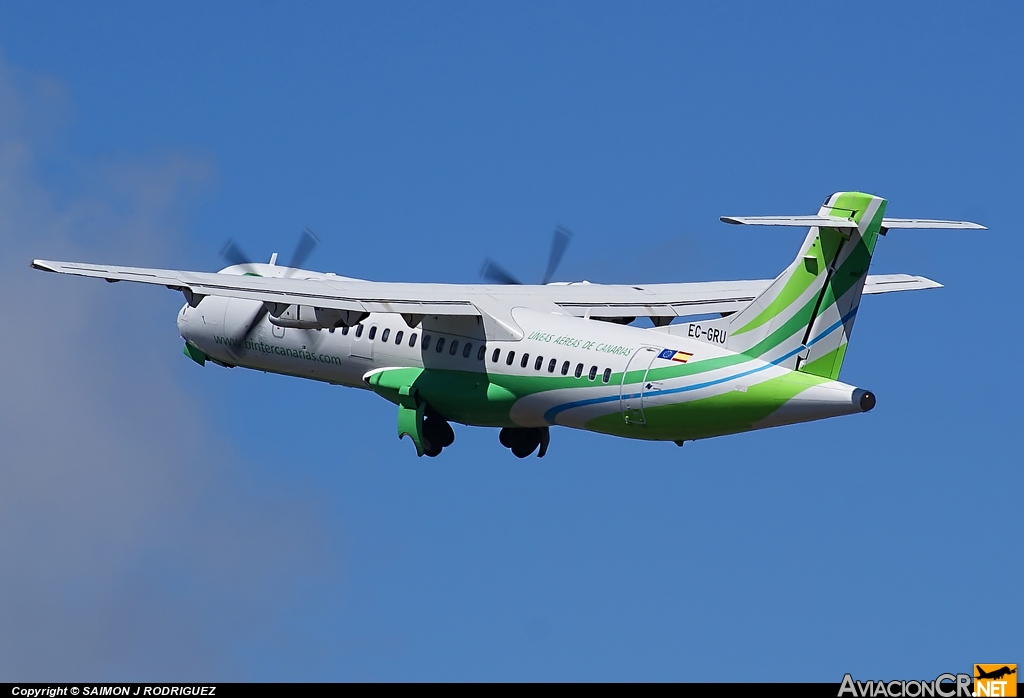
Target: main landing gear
{"type": "Point", "coordinates": [437, 433]}
{"type": "Point", "coordinates": [524, 441]}
{"type": "Point", "coordinates": [429, 431]}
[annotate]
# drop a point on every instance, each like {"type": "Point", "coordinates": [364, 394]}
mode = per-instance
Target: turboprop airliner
{"type": "Point", "coordinates": [723, 357]}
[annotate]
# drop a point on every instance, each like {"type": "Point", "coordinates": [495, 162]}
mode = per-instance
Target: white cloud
{"type": "Point", "coordinates": [132, 543]}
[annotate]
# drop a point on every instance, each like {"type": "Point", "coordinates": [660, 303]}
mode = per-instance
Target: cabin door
{"type": "Point", "coordinates": [631, 392]}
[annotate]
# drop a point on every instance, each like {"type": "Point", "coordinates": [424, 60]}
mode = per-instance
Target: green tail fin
{"type": "Point", "coordinates": [803, 320]}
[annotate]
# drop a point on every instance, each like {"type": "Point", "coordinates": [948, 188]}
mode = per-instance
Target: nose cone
{"type": "Point", "coordinates": [183, 320]}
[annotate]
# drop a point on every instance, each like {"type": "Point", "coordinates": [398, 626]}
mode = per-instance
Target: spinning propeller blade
{"type": "Point", "coordinates": [558, 245]}
{"type": "Point", "coordinates": [492, 271]}
{"type": "Point", "coordinates": [307, 243]}
{"type": "Point", "coordinates": [234, 255]}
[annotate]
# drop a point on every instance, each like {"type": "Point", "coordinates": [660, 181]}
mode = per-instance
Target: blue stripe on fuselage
{"type": "Point", "coordinates": [550, 415]}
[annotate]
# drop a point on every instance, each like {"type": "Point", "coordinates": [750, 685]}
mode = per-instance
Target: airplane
{"type": "Point", "coordinates": [742, 355]}
{"type": "Point", "coordinates": [995, 674]}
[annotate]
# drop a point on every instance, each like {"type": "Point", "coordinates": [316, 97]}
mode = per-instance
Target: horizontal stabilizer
{"type": "Point", "coordinates": [792, 221]}
{"type": "Point", "coordinates": [886, 283]}
{"type": "Point", "coordinates": [925, 224]}
{"type": "Point", "coordinates": [837, 222]}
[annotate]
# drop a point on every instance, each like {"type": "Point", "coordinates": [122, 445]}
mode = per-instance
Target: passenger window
{"type": "Point", "coordinates": [565, 368]}
{"type": "Point", "coordinates": [440, 344]}
{"type": "Point", "coordinates": [454, 347]}
{"type": "Point", "coordinates": [593, 373]}
{"type": "Point", "coordinates": [579, 370]}
{"type": "Point", "coordinates": [359, 330]}
{"type": "Point", "coordinates": [373, 332]}
{"type": "Point", "coordinates": [510, 358]}
{"type": "Point", "coordinates": [551, 365]}
{"type": "Point", "coordinates": [480, 352]}
{"type": "Point", "coordinates": [384, 335]}
{"type": "Point", "coordinates": [538, 363]}
{"type": "Point", "coordinates": [344, 330]}
{"type": "Point", "coordinates": [398, 337]}
{"type": "Point", "coordinates": [426, 342]}
{"type": "Point", "coordinates": [495, 355]}
{"type": "Point", "coordinates": [412, 339]}
{"type": "Point", "coordinates": [467, 350]}
{"type": "Point", "coordinates": [525, 361]}
{"type": "Point", "coordinates": [607, 375]}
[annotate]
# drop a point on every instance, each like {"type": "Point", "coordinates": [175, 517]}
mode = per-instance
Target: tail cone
{"type": "Point", "coordinates": [865, 399]}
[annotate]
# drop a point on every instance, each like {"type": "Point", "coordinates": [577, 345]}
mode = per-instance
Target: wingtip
{"type": "Point", "coordinates": [40, 264]}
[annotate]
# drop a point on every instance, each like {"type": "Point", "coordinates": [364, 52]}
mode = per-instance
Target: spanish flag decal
{"type": "Point", "coordinates": [673, 355]}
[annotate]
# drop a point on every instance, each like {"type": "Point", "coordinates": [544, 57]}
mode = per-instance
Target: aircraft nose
{"type": "Point", "coordinates": [183, 320]}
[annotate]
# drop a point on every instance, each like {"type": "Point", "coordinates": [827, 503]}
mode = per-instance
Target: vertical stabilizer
{"type": "Point", "coordinates": [804, 318]}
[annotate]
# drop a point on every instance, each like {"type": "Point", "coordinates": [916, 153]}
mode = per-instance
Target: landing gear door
{"type": "Point", "coordinates": [631, 392]}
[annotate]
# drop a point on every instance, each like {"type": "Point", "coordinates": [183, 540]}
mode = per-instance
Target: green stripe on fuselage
{"type": "Point", "coordinates": [717, 415]}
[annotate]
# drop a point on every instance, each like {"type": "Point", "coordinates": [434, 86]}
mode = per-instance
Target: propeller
{"type": "Point", "coordinates": [558, 245]}
{"type": "Point", "coordinates": [307, 243]}
{"type": "Point", "coordinates": [236, 256]}
{"type": "Point", "coordinates": [492, 271]}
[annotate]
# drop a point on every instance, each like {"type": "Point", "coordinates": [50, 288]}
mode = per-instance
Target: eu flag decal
{"type": "Point", "coordinates": [673, 355]}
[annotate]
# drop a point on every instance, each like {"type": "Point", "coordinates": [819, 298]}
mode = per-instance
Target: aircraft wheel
{"type": "Point", "coordinates": [506, 437]}
{"type": "Point", "coordinates": [430, 449]}
{"type": "Point", "coordinates": [438, 431]}
{"type": "Point", "coordinates": [522, 450]}
{"type": "Point", "coordinates": [522, 442]}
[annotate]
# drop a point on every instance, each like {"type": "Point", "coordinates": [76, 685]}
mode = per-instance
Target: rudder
{"type": "Point", "coordinates": [803, 320]}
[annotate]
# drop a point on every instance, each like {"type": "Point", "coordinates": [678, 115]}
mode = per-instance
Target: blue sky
{"type": "Point", "coordinates": [164, 521]}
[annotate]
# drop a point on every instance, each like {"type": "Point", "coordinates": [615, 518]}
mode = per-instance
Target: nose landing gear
{"type": "Point", "coordinates": [524, 441]}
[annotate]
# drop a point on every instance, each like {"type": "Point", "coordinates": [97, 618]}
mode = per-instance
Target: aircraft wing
{"type": "Point", "coordinates": [328, 291]}
{"type": "Point", "coordinates": [492, 302]}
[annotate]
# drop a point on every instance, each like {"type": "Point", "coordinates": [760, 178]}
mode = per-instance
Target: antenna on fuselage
{"type": "Point", "coordinates": [273, 259]}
